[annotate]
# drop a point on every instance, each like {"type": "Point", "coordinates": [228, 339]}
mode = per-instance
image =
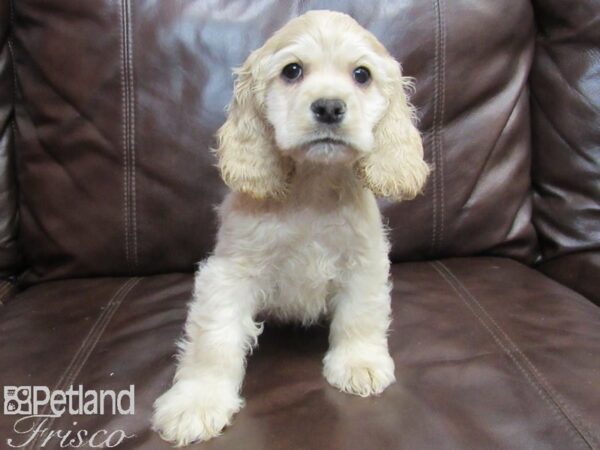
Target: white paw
{"type": "Point", "coordinates": [194, 410]}
{"type": "Point", "coordinates": [361, 373]}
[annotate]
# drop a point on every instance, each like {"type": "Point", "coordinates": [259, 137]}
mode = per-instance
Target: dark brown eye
{"type": "Point", "coordinates": [292, 72]}
{"type": "Point", "coordinates": [361, 75]}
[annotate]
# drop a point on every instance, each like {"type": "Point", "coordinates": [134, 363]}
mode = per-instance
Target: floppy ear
{"type": "Point", "coordinates": [248, 159]}
{"type": "Point", "coordinates": [395, 168]}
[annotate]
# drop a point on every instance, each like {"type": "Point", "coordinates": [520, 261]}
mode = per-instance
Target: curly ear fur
{"type": "Point", "coordinates": [395, 168]}
{"type": "Point", "coordinates": [248, 159]}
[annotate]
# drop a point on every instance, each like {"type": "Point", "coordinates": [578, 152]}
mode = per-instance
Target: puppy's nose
{"type": "Point", "coordinates": [328, 110]}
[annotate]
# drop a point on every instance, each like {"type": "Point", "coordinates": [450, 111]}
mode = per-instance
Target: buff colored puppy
{"type": "Point", "coordinates": [318, 126]}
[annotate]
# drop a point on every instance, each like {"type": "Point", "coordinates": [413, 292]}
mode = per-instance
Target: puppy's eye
{"type": "Point", "coordinates": [292, 72]}
{"type": "Point", "coordinates": [361, 75]}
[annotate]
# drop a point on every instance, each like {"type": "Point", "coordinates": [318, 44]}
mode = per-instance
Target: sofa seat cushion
{"type": "Point", "coordinates": [489, 354]}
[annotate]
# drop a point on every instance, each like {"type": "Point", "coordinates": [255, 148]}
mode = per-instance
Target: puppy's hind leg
{"type": "Point", "coordinates": [358, 361]}
{"type": "Point", "coordinates": [219, 332]}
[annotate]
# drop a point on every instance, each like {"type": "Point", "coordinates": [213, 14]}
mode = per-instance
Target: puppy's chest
{"type": "Point", "coordinates": [314, 255]}
{"type": "Point", "coordinates": [319, 243]}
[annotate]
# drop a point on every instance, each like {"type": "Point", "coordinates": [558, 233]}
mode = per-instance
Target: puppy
{"type": "Point", "coordinates": [319, 124]}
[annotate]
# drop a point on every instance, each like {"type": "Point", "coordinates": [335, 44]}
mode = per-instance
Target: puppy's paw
{"type": "Point", "coordinates": [359, 372]}
{"type": "Point", "coordinates": [194, 410]}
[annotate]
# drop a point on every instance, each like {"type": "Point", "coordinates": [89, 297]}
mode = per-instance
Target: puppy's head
{"type": "Point", "coordinates": [322, 89]}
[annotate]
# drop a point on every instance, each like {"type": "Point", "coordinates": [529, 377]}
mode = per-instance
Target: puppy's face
{"type": "Point", "coordinates": [326, 93]}
{"type": "Point", "coordinates": [321, 89]}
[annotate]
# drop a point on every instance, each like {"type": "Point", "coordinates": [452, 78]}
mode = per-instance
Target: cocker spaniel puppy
{"type": "Point", "coordinates": [318, 126]}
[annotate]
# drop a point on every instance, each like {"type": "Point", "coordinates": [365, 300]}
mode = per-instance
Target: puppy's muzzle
{"type": "Point", "coordinates": [328, 110]}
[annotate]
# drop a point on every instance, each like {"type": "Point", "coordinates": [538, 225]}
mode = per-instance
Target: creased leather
{"type": "Point", "coordinates": [120, 102]}
{"type": "Point", "coordinates": [566, 142]}
{"type": "Point", "coordinates": [7, 291]}
{"type": "Point", "coordinates": [9, 257]}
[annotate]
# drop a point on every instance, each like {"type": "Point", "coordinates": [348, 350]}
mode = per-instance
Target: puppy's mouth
{"type": "Point", "coordinates": [327, 140]}
{"type": "Point", "coordinates": [325, 149]}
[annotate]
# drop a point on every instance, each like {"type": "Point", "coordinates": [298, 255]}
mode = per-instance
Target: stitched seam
{"type": "Point", "coordinates": [436, 64]}
{"type": "Point", "coordinates": [113, 307]}
{"type": "Point", "coordinates": [507, 351]}
{"type": "Point", "coordinates": [129, 133]}
{"type": "Point", "coordinates": [440, 152]}
{"type": "Point", "coordinates": [88, 345]}
{"type": "Point", "coordinates": [124, 130]}
{"type": "Point", "coordinates": [133, 187]}
{"type": "Point", "coordinates": [438, 215]}
{"type": "Point", "coordinates": [542, 379]}
{"type": "Point", "coordinates": [60, 383]}
{"type": "Point", "coordinates": [575, 430]}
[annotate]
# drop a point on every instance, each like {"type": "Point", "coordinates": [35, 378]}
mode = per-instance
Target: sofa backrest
{"type": "Point", "coordinates": [117, 104]}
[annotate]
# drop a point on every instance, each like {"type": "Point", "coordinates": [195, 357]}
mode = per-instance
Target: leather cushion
{"type": "Point", "coordinates": [489, 354]}
{"type": "Point", "coordinates": [119, 102]}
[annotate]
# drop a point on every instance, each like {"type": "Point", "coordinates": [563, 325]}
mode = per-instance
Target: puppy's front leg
{"type": "Point", "coordinates": [220, 330]}
{"type": "Point", "coordinates": [358, 360]}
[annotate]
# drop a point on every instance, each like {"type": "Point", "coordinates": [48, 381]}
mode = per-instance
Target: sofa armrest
{"type": "Point", "coordinates": [8, 189]}
{"type": "Point", "coordinates": [565, 108]}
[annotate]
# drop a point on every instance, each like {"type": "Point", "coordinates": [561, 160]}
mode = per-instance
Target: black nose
{"type": "Point", "coordinates": [328, 110]}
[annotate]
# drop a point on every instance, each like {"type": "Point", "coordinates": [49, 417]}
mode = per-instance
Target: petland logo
{"type": "Point", "coordinates": [40, 407]}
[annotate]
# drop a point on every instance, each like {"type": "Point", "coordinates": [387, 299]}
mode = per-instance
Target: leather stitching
{"type": "Point", "coordinates": [125, 115]}
{"type": "Point", "coordinates": [436, 64]}
{"type": "Point", "coordinates": [133, 187]}
{"type": "Point", "coordinates": [440, 152]}
{"type": "Point", "coordinates": [129, 160]}
{"type": "Point", "coordinates": [88, 345]}
{"type": "Point", "coordinates": [103, 322]}
{"type": "Point", "coordinates": [560, 410]}
{"type": "Point", "coordinates": [438, 215]}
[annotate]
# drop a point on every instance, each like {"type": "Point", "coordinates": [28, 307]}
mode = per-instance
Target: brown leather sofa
{"type": "Point", "coordinates": [107, 187]}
